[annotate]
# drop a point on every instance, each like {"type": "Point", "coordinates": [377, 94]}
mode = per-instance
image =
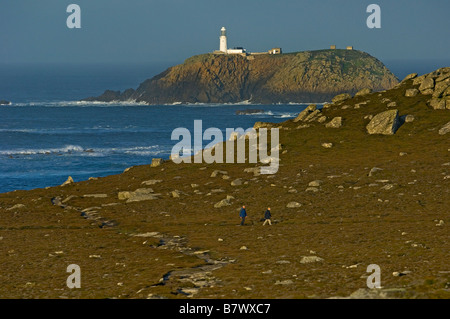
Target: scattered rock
{"type": "Point", "coordinates": [335, 123]}
{"type": "Point", "coordinates": [315, 183]}
{"type": "Point", "coordinates": [341, 98]}
{"type": "Point", "coordinates": [312, 189]}
{"type": "Point", "coordinates": [427, 86]}
{"type": "Point", "coordinates": [156, 162]}
{"type": "Point", "coordinates": [95, 195]}
{"type": "Point", "coordinates": [438, 104]}
{"type": "Point", "coordinates": [217, 172]}
{"type": "Point", "coordinates": [293, 205]}
{"type": "Point", "coordinates": [151, 182]}
{"type": "Point", "coordinates": [310, 259]}
{"type": "Point", "coordinates": [243, 248]}
{"type": "Point", "coordinates": [303, 114]}
{"type": "Point", "coordinates": [236, 182]}
{"type": "Point", "coordinates": [68, 181]}
{"type": "Point", "coordinates": [322, 119]}
{"type": "Point", "coordinates": [445, 129]}
{"type": "Point", "coordinates": [411, 92]}
{"type": "Point", "coordinates": [386, 123]}
{"type": "Point", "coordinates": [409, 118]}
{"type": "Point", "coordinates": [410, 76]}
{"type": "Point", "coordinates": [392, 104]}
{"type": "Point", "coordinates": [17, 206]}
{"type": "Point", "coordinates": [374, 170]}
{"type": "Point", "coordinates": [223, 203]}
{"type": "Point", "coordinates": [284, 282]}
{"type": "Point", "coordinates": [363, 92]}
{"type": "Point", "coordinates": [255, 170]}
{"type": "Point", "coordinates": [327, 145]}
{"type": "Point", "coordinates": [138, 195]}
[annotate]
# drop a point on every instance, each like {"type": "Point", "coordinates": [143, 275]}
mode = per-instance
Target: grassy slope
{"type": "Point", "coordinates": [343, 224]}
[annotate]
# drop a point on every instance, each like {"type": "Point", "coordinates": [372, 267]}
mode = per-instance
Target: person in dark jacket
{"type": "Point", "coordinates": [243, 214]}
{"type": "Point", "coordinates": [267, 217]}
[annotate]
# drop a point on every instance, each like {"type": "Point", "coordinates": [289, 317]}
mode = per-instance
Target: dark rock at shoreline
{"type": "Point", "coordinates": [4, 102]}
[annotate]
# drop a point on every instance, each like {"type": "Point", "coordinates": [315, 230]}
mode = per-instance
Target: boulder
{"type": "Point", "coordinates": [138, 195]}
{"type": "Point", "coordinates": [327, 145]}
{"type": "Point", "coordinates": [315, 183]}
{"type": "Point", "coordinates": [311, 116]}
{"type": "Point", "coordinates": [386, 123]}
{"type": "Point", "coordinates": [303, 114]}
{"type": "Point", "coordinates": [322, 119]}
{"type": "Point", "coordinates": [335, 123]}
{"type": "Point", "coordinates": [409, 118]}
{"type": "Point", "coordinates": [217, 172]}
{"type": "Point", "coordinates": [310, 259]}
{"type": "Point", "coordinates": [374, 170]}
{"type": "Point", "coordinates": [4, 102]}
{"type": "Point", "coordinates": [427, 86]}
{"type": "Point", "coordinates": [156, 162]}
{"type": "Point", "coordinates": [68, 181]}
{"type": "Point", "coordinates": [363, 92]}
{"type": "Point", "coordinates": [293, 205]}
{"type": "Point", "coordinates": [441, 88]}
{"type": "Point", "coordinates": [410, 76]}
{"type": "Point", "coordinates": [223, 203]}
{"type": "Point", "coordinates": [411, 92]}
{"type": "Point", "coordinates": [341, 97]}
{"type": "Point", "coordinates": [236, 182]}
{"type": "Point", "coordinates": [445, 129]}
{"type": "Point", "coordinates": [437, 104]}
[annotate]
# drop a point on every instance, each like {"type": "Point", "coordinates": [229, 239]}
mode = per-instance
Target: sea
{"type": "Point", "coordinates": [47, 134]}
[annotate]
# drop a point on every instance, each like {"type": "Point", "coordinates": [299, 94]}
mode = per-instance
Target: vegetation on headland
{"type": "Point", "coordinates": [309, 76]}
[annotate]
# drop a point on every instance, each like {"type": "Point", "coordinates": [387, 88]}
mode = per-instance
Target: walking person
{"type": "Point", "coordinates": [267, 217]}
{"type": "Point", "coordinates": [242, 215]}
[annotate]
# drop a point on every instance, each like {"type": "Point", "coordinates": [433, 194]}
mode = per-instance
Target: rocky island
{"type": "Point", "coordinates": [4, 102]}
{"type": "Point", "coordinates": [363, 180]}
{"type": "Point", "coordinates": [309, 76]}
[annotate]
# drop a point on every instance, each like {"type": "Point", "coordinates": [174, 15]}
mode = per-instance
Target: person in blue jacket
{"type": "Point", "coordinates": [267, 217]}
{"type": "Point", "coordinates": [243, 214]}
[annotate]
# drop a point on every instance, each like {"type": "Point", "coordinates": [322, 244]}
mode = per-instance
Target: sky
{"type": "Point", "coordinates": [151, 31]}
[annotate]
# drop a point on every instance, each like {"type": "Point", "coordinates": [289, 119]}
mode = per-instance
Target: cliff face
{"type": "Point", "coordinates": [310, 76]}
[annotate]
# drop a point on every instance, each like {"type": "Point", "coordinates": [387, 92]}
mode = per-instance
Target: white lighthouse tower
{"type": "Point", "coordinates": [223, 40]}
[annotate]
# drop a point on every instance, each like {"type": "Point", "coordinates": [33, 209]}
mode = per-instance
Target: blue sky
{"type": "Point", "coordinates": [144, 31]}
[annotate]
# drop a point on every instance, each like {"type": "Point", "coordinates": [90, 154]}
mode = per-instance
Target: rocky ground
{"type": "Point", "coordinates": [365, 180]}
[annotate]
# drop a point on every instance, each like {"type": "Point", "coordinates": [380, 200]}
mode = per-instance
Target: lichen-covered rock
{"type": "Point", "coordinates": [386, 123]}
{"type": "Point", "coordinates": [306, 112]}
{"type": "Point", "coordinates": [335, 123]}
{"type": "Point", "coordinates": [445, 129]}
{"type": "Point", "coordinates": [437, 104]}
{"type": "Point", "coordinates": [409, 77]}
{"type": "Point", "coordinates": [411, 92]}
{"type": "Point", "coordinates": [427, 86]}
{"type": "Point", "coordinates": [363, 92]}
{"type": "Point", "coordinates": [157, 162]}
{"type": "Point", "coordinates": [341, 98]}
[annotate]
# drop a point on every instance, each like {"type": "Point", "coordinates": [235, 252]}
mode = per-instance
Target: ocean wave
{"type": "Point", "coordinates": [80, 103]}
{"type": "Point", "coordinates": [65, 149]}
{"type": "Point", "coordinates": [94, 152]}
{"type": "Point", "coordinates": [85, 130]}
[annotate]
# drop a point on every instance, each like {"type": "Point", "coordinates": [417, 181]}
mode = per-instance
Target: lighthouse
{"type": "Point", "coordinates": [223, 40]}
